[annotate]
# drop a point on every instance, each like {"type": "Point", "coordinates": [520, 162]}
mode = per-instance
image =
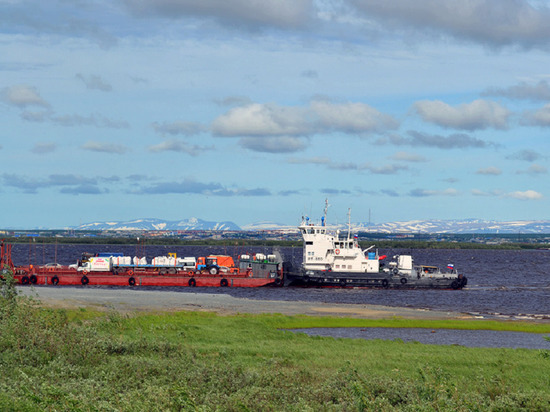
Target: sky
{"type": "Point", "coordinates": [259, 110]}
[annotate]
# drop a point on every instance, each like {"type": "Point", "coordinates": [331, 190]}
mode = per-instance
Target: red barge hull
{"type": "Point", "coordinates": [61, 277]}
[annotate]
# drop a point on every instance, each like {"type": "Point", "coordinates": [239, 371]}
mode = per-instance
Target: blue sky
{"type": "Point", "coordinates": [253, 110]}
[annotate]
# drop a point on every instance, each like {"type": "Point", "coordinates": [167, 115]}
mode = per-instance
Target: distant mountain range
{"type": "Point", "coordinates": [414, 226]}
{"type": "Point", "coordinates": [458, 226]}
{"type": "Point", "coordinates": [159, 224]}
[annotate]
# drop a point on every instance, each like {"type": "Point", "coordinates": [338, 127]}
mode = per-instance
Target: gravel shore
{"type": "Point", "coordinates": [138, 300]}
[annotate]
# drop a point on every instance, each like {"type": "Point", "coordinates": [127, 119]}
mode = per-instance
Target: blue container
{"type": "Point", "coordinates": [372, 255]}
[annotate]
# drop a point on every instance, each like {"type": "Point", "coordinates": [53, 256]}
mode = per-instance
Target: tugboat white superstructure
{"type": "Point", "coordinates": [338, 260]}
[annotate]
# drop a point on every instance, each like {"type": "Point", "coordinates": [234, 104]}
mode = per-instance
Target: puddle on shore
{"type": "Point", "coordinates": [468, 338]}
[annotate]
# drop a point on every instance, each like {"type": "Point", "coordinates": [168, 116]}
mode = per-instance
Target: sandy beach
{"type": "Point", "coordinates": [137, 300]}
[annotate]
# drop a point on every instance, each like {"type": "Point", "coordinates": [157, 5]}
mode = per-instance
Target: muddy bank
{"type": "Point", "coordinates": [135, 300]}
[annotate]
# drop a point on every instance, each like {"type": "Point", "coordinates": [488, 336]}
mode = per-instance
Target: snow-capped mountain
{"type": "Point", "coordinates": [413, 226]}
{"type": "Point", "coordinates": [457, 226]}
{"type": "Point", "coordinates": [159, 224]}
{"type": "Point", "coordinates": [266, 225]}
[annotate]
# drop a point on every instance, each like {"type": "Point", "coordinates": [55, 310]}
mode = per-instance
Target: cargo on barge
{"type": "Point", "coordinates": [338, 260]}
{"type": "Point", "coordinates": [118, 270]}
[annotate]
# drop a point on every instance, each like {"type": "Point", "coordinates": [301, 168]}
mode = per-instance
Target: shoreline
{"type": "Point", "coordinates": [139, 300]}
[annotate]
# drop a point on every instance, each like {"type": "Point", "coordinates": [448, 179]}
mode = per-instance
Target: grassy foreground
{"type": "Point", "coordinates": [84, 360]}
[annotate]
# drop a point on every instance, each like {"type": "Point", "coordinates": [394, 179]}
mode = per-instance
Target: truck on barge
{"type": "Point", "coordinates": [336, 259]}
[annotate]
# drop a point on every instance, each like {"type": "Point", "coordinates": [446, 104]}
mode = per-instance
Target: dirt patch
{"type": "Point", "coordinates": [138, 300]}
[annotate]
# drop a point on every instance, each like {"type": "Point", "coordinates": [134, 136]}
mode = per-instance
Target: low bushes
{"type": "Point", "coordinates": [79, 360]}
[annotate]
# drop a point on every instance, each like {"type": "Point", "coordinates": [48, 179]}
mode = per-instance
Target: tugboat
{"type": "Point", "coordinates": [338, 260]}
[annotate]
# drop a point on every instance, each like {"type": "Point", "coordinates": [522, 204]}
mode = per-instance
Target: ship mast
{"type": "Point", "coordinates": [326, 209]}
{"type": "Point", "coordinates": [349, 223]}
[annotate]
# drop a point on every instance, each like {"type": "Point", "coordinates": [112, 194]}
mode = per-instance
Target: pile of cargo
{"type": "Point", "coordinates": [115, 269]}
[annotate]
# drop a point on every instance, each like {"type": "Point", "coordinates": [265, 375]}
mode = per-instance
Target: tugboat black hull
{"type": "Point", "coordinates": [382, 280]}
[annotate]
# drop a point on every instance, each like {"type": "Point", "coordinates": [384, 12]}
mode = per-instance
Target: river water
{"type": "Point", "coordinates": [468, 338]}
{"type": "Point", "coordinates": [501, 283]}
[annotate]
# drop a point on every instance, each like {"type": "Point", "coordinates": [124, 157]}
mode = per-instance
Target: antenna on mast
{"type": "Point", "coordinates": [326, 209]}
{"type": "Point", "coordinates": [349, 222]}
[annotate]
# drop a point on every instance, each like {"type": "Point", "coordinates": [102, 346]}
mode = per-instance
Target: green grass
{"type": "Point", "coordinates": [296, 322]}
{"type": "Point", "coordinates": [86, 360]}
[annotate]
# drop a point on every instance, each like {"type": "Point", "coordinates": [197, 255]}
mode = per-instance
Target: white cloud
{"type": "Point", "coordinates": [427, 192]}
{"type": "Point", "coordinates": [256, 120]}
{"type": "Point", "coordinates": [175, 128]}
{"type": "Point", "coordinates": [262, 120]}
{"type": "Point", "coordinates": [388, 169]}
{"type": "Point", "coordinates": [352, 117]}
{"type": "Point", "coordinates": [495, 171]}
{"type": "Point", "coordinates": [66, 183]}
{"type": "Point", "coordinates": [453, 141]}
{"type": "Point", "coordinates": [523, 91]}
{"type": "Point", "coordinates": [408, 157]}
{"type": "Point", "coordinates": [177, 146]}
{"type": "Point", "coordinates": [539, 117]}
{"type": "Point", "coordinates": [41, 148]}
{"type": "Point", "coordinates": [274, 144]}
{"type": "Point", "coordinates": [192, 186]}
{"type": "Point", "coordinates": [494, 23]}
{"type": "Point", "coordinates": [97, 120]}
{"type": "Point", "coordinates": [94, 82]}
{"type": "Point", "coordinates": [311, 160]}
{"type": "Point", "coordinates": [526, 155]}
{"type": "Point", "coordinates": [248, 14]}
{"type": "Point", "coordinates": [535, 169]}
{"type": "Point", "coordinates": [233, 101]}
{"type": "Point", "coordinates": [60, 19]}
{"type": "Point", "coordinates": [37, 117]}
{"type": "Point", "coordinates": [477, 115]}
{"type": "Point", "coordinates": [74, 120]}
{"type": "Point", "coordinates": [23, 96]}
{"type": "Point", "coordinates": [477, 192]}
{"type": "Point", "coordinates": [105, 147]}
{"type": "Point", "coordinates": [526, 195]}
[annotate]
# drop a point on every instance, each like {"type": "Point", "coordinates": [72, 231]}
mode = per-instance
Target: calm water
{"type": "Point", "coordinates": [500, 283]}
{"type": "Point", "coordinates": [469, 338]}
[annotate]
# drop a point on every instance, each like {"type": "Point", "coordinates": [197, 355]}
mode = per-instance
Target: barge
{"type": "Point", "coordinates": [117, 270]}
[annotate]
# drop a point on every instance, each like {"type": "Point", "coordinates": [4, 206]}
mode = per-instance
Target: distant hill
{"type": "Point", "coordinates": [413, 226]}
{"type": "Point", "coordinates": [265, 225]}
{"type": "Point", "coordinates": [458, 226]}
{"type": "Point", "coordinates": [159, 224]}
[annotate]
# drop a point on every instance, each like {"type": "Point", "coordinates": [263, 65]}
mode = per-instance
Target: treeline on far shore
{"type": "Point", "coordinates": [380, 243]}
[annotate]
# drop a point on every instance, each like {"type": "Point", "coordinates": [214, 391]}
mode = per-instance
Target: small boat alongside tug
{"type": "Point", "coordinates": [338, 260]}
